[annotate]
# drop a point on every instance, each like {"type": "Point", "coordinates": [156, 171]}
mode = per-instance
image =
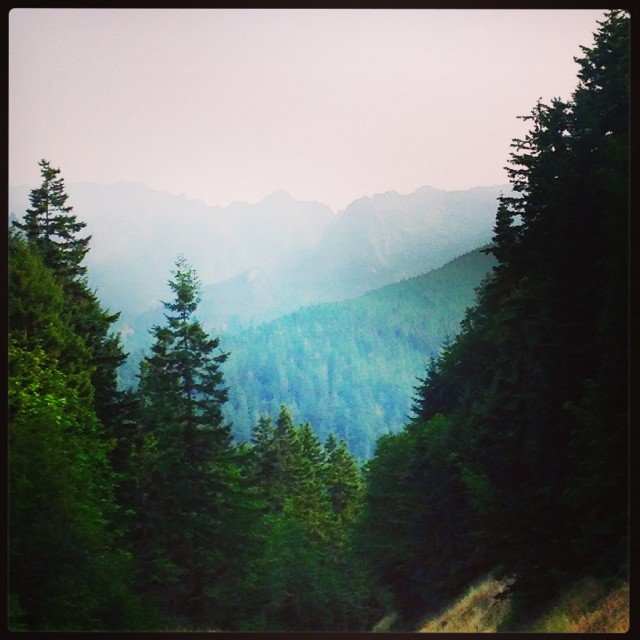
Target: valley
{"type": "Point", "coordinates": [333, 315]}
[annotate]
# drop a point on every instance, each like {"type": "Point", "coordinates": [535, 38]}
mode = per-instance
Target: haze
{"type": "Point", "coordinates": [329, 105]}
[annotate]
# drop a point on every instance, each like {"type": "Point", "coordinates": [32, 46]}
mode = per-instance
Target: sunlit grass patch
{"type": "Point", "coordinates": [589, 606]}
{"type": "Point", "coordinates": [481, 609]}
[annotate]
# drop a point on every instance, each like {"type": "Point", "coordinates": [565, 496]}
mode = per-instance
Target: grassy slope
{"type": "Point", "coordinates": [588, 606]}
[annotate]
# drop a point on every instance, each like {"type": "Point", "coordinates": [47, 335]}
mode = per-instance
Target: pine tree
{"type": "Point", "coordinates": [52, 230]}
{"type": "Point", "coordinates": [263, 463]}
{"type": "Point", "coordinates": [52, 226]}
{"type": "Point", "coordinates": [287, 456]}
{"type": "Point", "coordinates": [68, 569]}
{"type": "Point", "coordinates": [343, 481]}
{"type": "Point", "coordinates": [189, 485]}
{"type": "Point", "coordinates": [184, 365]}
{"type": "Point", "coordinates": [309, 577]}
{"type": "Point", "coordinates": [39, 318]}
{"type": "Point", "coordinates": [534, 389]}
{"type": "Point", "coordinates": [598, 492]}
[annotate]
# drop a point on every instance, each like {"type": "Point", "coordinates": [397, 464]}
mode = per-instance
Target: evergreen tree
{"type": "Point", "coordinates": [190, 485]}
{"type": "Point", "coordinates": [39, 318]}
{"type": "Point", "coordinates": [343, 481]}
{"type": "Point", "coordinates": [51, 225]}
{"type": "Point", "coordinates": [312, 449]}
{"type": "Point", "coordinates": [570, 274]}
{"type": "Point", "coordinates": [262, 437]}
{"type": "Point", "coordinates": [309, 578]}
{"type": "Point", "coordinates": [287, 455]}
{"type": "Point", "coordinates": [68, 569]}
{"type": "Point", "coordinates": [597, 494]}
{"type": "Point", "coordinates": [51, 230]}
{"type": "Point", "coordinates": [184, 368]}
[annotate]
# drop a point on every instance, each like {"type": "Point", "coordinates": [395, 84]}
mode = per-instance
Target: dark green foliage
{"type": "Point", "coordinates": [191, 500]}
{"type": "Point", "coordinates": [39, 318]}
{"type": "Point", "coordinates": [136, 510]}
{"type": "Point", "coordinates": [531, 398]}
{"type": "Point", "coordinates": [597, 489]}
{"type": "Point", "coordinates": [346, 367]}
{"type": "Point", "coordinates": [53, 228]}
{"type": "Point", "coordinates": [182, 380]}
{"type": "Point", "coordinates": [70, 568]}
{"type": "Point", "coordinates": [204, 519]}
{"type": "Point", "coordinates": [416, 520]}
{"type": "Point", "coordinates": [309, 577]}
{"type": "Point", "coordinates": [343, 482]}
{"type": "Point", "coordinates": [572, 173]}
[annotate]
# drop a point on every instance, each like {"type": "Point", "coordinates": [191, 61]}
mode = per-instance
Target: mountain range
{"type": "Point", "coordinates": [259, 261]}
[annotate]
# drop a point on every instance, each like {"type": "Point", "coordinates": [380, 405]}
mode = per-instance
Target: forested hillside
{"type": "Point", "coordinates": [373, 242]}
{"type": "Point", "coordinates": [517, 455]}
{"type": "Point", "coordinates": [350, 367]}
{"type": "Point", "coordinates": [137, 510]}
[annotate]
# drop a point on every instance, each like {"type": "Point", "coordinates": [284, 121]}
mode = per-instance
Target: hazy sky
{"type": "Point", "coordinates": [330, 105]}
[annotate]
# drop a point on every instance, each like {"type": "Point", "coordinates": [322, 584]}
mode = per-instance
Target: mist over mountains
{"type": "Point", "coordinates": [260, 261]}
{"type": "Point", "coordinates": [137, 233]}
{"type": "Point", "coordinates": [373, 242]}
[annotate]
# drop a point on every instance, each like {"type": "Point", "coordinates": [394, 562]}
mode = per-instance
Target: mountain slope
{"type": "Point", "coordinates": [260, 261]}
{"type": "Point", "coordinates": [373, 242]}
{"type": "Point", "coordinates": [586, 606]}
{"type": "Point", "coordinates": [350, 367]}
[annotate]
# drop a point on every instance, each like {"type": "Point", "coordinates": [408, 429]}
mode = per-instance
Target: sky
{"type": "Point", "coordinates": [227, 105]}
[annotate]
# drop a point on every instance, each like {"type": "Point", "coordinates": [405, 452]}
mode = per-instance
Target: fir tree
{"type": "Point", "coordinates": [52, 229]}
{"type": "Point", "coordinates": [68, 568]}
{"type": "Point", "coordinates": [189, 492]}
{"type": "Point", "coordinates": [51, 224]}
{"type": "Point", "coordinates": [343, 481]}
{"type": "Point", "coordinates": [517, 454]}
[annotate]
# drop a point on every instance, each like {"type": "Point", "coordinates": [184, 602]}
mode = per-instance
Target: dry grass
{"type": "Point", "coordinates": [588, 607]}
{"type": "Point", "coordinates": [479, 610]}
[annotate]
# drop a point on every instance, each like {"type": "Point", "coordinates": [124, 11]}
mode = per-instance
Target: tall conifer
{"type": "Point", "coordinates": [51, 224]}
{"type": "Point", "coordinates": [188, 472]}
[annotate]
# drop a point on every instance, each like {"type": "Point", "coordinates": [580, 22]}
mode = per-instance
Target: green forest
{"type": "Point", "coordinates": [346, 367]}
{"type": "Point", "coordinates": [349, 367]}
{"type": "Point", "coordinates": [136, 508]}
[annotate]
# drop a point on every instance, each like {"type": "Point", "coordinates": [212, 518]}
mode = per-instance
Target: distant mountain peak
{"type": "Point", "coordinates": [277, 196]}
